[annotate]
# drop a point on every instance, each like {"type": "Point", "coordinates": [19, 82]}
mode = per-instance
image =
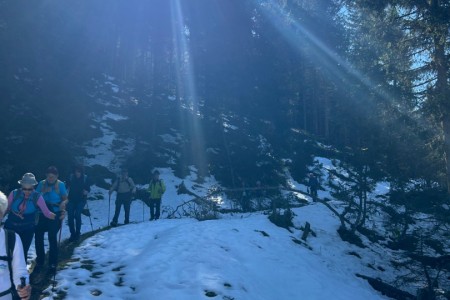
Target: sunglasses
{"type": "Point", "coordinates": [27, 189]}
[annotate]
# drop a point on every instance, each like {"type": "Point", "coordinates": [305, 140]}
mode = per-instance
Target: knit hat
{"type": "Point", "coordinates": [28, 179]}
{"type": "Point", "coordinates": [52, 170]}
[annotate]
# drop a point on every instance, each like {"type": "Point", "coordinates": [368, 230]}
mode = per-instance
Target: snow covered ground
{"type": "Point", "coordinates": [235, 257]}
{"type": "Point", "coordinates": [239, 256]}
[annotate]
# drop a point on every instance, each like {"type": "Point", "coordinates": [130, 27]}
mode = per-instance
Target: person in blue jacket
{"type": "Point", "coordinates": [54, 193]}
{"type": "Point", "coordinates": [24, 205]}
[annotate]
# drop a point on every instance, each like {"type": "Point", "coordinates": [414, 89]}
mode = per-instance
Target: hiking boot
{"type": "Point", "coordinates": [113, 224]}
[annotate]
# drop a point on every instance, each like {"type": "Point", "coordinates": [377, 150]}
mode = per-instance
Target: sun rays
{"type": "Point", "coordinates": [186, 85]}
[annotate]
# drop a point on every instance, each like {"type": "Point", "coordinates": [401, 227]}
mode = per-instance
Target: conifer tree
{"type": "Point", "coordinates": [421, 28]}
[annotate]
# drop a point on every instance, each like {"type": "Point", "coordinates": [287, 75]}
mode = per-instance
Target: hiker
{"type": "Point", "coordinates": [260, 194]}
{"type": "Point", "coordinates": [24, 205]}
{"type": "Point", "coordinates": [245, 196]}
{"type": "Point", "coordinates": [125, 188]}
{"type": "Point", "coordinates": [78, 188]}
{"type": "Point", "coordinates": [313, 184]}
{"type": "Point", "coordinates": [55, 195]}
{"type": "Point", "coordinates": [156, 189]}
{"type": "Point", "coordinates": [12, 259]}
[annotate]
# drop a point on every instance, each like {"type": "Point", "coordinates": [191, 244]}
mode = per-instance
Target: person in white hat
{"type": "Point", "coordinates": [24, 204]}
{"type": "Point", "coordinates": [11, 274]}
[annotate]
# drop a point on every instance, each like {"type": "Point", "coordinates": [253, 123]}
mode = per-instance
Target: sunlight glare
{"type": "Point", "coordinates": [186, 83]}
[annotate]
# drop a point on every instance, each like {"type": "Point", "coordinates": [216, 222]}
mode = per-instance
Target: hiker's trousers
{"type": "Point", "coordinates": [74, 209]}
{"type": "Point", "coordinates": [52, 227]}
{"type": "Point", "coordinates": [125, 200]}
{"type": "Point", "coordinates": [155, 208]}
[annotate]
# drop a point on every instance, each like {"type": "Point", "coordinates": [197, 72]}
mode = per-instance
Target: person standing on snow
{"type": "Point", "coordinates": [245, 196]}
{"type": "Point", "coordinates": [313, 184]}
{"type": "Point", "coordinates": [54, 193]}
{"type": "Point", "coordinates": [156, 189]}
{"type": "Point", "coordinates": [23, 205]}
{"type": "Point", "coordinates": [78, 187]}
{"type": "Point", "coordinates": [125, 188]}
{"type": "Point", "coordinates": [17, 265]}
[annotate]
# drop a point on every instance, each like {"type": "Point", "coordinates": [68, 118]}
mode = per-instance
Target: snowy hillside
{"type": "Point", "coordinates": [236, 257]}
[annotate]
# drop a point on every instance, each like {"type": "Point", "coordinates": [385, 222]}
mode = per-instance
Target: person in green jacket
{"type": "Point", "coordinates": [156, 189]}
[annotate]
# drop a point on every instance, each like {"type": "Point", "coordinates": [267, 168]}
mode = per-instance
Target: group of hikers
{"type": "Point", "coordinates": [39, 207]}
{"type": "Point", "coordinates": [126, 189]}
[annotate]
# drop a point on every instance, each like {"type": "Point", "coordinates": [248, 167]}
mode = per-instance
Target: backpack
{"type": "Point", "coordinates": [119, 180]}
{"type": "Point", "coordinates": [46, 188]}
{"type": "Point", "coordinates": [35, 197]}
{"type": "Point", "coordinates": [10, 243]}
{"type": "Point", "coordinates": [13, 223]}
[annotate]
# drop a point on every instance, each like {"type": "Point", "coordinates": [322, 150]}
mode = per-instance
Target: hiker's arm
{"type": "Point", "coordinates": [62, 205]}
{"type": "Point", "coordinates": [64, 200]}
{"type": "Point", "coordinates": [113, 187]}
{"type": "Point", "coordinates": [133, 186]}
{"type": "Point", "coordinates": [19, 266]}
{"type": "Point", "coordinates": [43, 207]}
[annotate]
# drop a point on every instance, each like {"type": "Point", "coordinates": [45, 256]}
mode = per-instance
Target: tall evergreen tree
{"type": "Point", "coordinates": [423, 32]}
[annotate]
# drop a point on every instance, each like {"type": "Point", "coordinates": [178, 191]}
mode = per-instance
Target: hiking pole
{"type": "Point", "coordinates": [143, 208]}
{"type": "Point", "coordinates": [109, 209]}
{"type": "Point", "coordinates": [59, 246]}
{"type": "Point", "coordinates": [90, 220]}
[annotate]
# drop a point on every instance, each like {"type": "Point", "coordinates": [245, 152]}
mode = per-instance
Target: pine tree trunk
{"type": "Point", "coordinates": [443, 93]}
{"type": "Point", "coordinates": [446, 129]}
